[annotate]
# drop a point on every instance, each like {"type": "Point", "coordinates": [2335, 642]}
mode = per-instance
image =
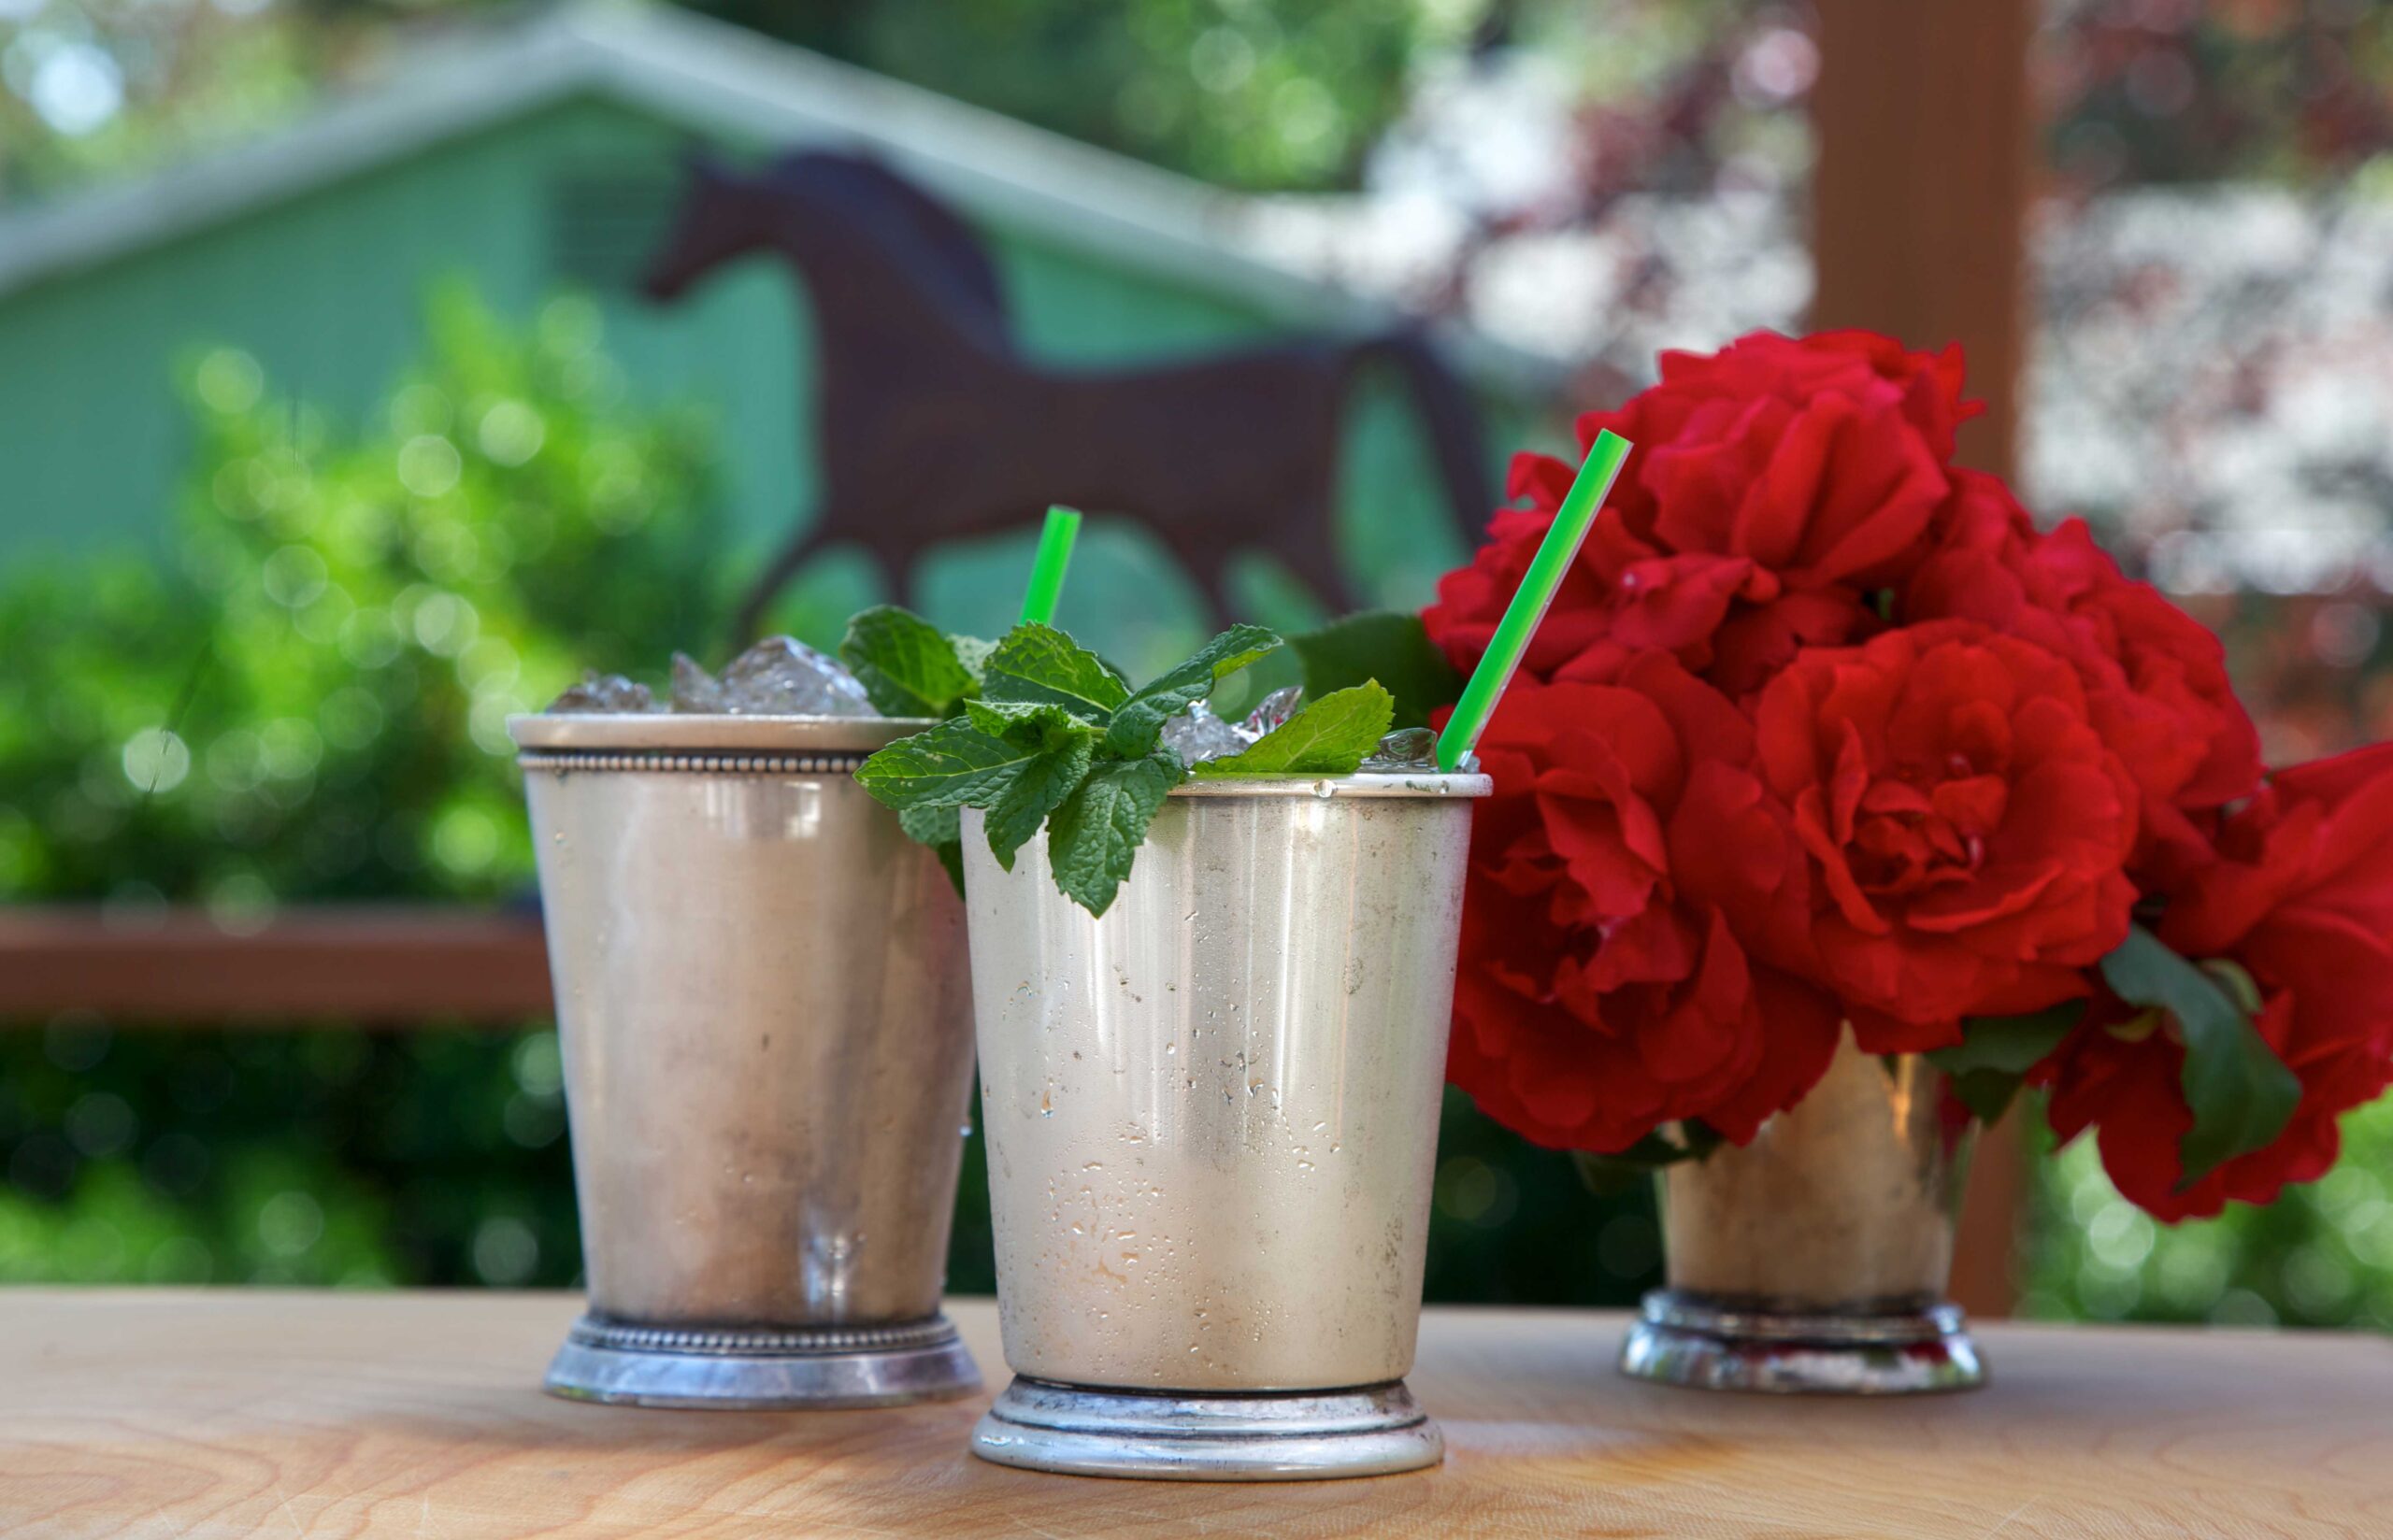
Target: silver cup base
{"type": "Point", "coordinates": [761, 1369]}
{"type": "Point", "coordinates": [1181, 1436]}
{"type": "Point", "coordinates": [1717, 1345]}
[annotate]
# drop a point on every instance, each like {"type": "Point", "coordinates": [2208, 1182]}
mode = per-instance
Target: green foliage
{"type": "Point", "coordinates": [2241, 1094]}
{"type": "Point", "coordinates": [313, 704]}
{"type": "Point", "coordinates": [2321, 1255]}
{"type": "Point", "coordinates": [1249, 95]}
{"type": "Point", "coordinates": [310, 703]}
{"type": "Point", "coordinates": [1996, 1052]}
{"type": "Point", "coordinates": [1385, 646]}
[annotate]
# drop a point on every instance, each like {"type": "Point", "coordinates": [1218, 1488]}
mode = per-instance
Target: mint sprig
{"type": "Point", "coordinates": [1053, 736]}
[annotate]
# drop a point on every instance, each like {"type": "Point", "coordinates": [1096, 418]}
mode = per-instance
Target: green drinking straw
{"type": "Point", "coordinates": [1047, 571]}
{"type": "Point", "coordinates": [1530, 601]}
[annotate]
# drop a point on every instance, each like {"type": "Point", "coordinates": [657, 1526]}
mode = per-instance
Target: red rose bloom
{"type": "Point", "coordinates": [1595, 999]}
{"type": "Point", "coordinates": [1966, 825]}
{"type": "Point", "coordinates": [2154, 677]}
{"type": "Point", "coordinates": [1774, 485]}
{"type": "Point", "coordinates": [2299, 897]}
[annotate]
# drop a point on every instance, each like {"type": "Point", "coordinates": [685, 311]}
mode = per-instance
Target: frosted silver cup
{"type": "Point", "coordinates": [1213, 1121]}
{"type": "Point", "coordinates": [761, 997]}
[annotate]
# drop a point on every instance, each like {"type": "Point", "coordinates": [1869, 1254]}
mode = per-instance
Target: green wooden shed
{"type": "Point", "coordinates": [540, 155]}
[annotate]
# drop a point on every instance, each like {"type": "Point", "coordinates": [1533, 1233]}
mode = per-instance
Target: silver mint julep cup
{"type": "Point", "coordinates": [1814, 1260]}
{"type": "Point", "coordinates": [761, 999]}
{"type": "Point", "coordinates": [1212, 1121]}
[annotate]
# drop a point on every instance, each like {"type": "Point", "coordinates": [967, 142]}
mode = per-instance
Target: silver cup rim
{"type": "Point", "coordinates": [1362, 784]}
{"type": "Point", "coordinates": [675, 731]}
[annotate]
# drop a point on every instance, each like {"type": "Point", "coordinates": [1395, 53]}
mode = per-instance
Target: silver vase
{"type": "Point", "coordinates": [1213, 1117]}
{"type": "Point", "coordinates": [761, 998]}
{"type": "Point", "coordinates": [1815, 1259]}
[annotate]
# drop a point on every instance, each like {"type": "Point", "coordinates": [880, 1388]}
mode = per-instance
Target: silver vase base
{"type": "Point", "coordinates": [623, 1364]}
{"type": "Point", "coordinates": [1720, 1345]}
{"type": "Point", "coordinates": [1181, 1436]}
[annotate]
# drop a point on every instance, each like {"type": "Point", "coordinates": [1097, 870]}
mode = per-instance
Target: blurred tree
{"type": "Point", "coordinates": [311, 704]}
{"type": "Point", "coordinates": [2173, 90]}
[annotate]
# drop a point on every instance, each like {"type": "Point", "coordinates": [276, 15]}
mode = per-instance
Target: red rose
{"type": "Point", "coordinates": [1775, 484]}
{"type": "Point", "coordinates": [2154, 677]}
{"type": "Point", "coordinates": [2301, 898]}
{"type": "Point", "coordinates": [1596, 1001]}
{"type": "Point", "coordinates": [1966, 827]}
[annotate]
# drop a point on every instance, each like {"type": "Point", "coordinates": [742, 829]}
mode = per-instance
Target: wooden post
{"type": "Point", "coordinates": [1922, 121]}
{"type": "Point", "coordinates": [1924, 133]}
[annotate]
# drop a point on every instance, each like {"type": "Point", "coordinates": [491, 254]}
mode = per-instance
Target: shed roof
{"type": "Point", "coordinates": [717, 79]}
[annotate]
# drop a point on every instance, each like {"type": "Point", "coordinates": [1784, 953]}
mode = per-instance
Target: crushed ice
{"type": "Point", "coordinates": [776, 678]}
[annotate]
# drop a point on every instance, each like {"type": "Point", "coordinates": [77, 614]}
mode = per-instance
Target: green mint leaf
{"type": "Point", "coordinates": [906, 665]}
{"type": "Point", "coordinates": [1093, 836]}
{"type": "Point", "coordinates": [1025, 721]}
{"type": "Point", "coordinates": [942, 830]}
{"type": "Point", "coordinates": [1384, 644]}
{"type": "Point", "coordinates": [1139, 721]}
{"type": "Point", "coordinates": [1036, 664]}
{"type": "Point", "coordinates": [1329, 737]}
{"type": "Point", "coordinates": [1996, 1052]}
{"type": "Point", "coordinates": [2242, 1094]}
{"type": "Point", "coordinates": [973, 653]}
{"type": "Point", "coordinates": [1042, 784]}
{"type": "Point", "coordinates": [953, 765]}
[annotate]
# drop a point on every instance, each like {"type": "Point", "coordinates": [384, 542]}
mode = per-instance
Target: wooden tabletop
{"type": "Point", "coordinates": [199, 1414]}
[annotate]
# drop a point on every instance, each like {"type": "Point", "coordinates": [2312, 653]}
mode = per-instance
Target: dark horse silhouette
{"type": "Point", "coordinates": [934, 424]}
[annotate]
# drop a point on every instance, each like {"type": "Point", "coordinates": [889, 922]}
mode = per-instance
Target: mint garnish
{"type": "Point", "coordinates": [1053, 736]}
{"type": "Point", "coordinates": [1332, 737]}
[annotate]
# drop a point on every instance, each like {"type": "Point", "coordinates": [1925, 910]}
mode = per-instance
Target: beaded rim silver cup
{"type": "Point", "coordinates": [1212, 1121]}
{"type": "Point", "coordinates": [762, 1001]}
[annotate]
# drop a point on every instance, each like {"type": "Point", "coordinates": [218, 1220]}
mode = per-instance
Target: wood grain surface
{"type": "Point", "coordinates": [202, 1413]}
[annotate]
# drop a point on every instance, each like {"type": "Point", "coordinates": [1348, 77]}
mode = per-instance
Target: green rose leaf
{"type": "Point", "coordinates": [1328, 737]}
{"type": "Point", "coordinates": [906, 665]}
{"type": "Point", "coordinates": [1608, 1175]}
{"type": "Point", "coordinates": [1139, 722]}
{"type": "Point", "coordinates": [1996, 1052]}
{"type": "Point", "coordinates": [1036, 664]}
{"type": "Point", "coordinates": [1387, 646]}
{"type": "Point", "coordinates": [1094, 837]}
{"type": "Point", "coordinates": [2242, 1094]}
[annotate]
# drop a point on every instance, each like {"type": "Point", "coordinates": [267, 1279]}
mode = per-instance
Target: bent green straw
{"type": "Point", "coordinates": [1047, 571]}
{"type": "Point", "coordinates": [1530, 601]}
